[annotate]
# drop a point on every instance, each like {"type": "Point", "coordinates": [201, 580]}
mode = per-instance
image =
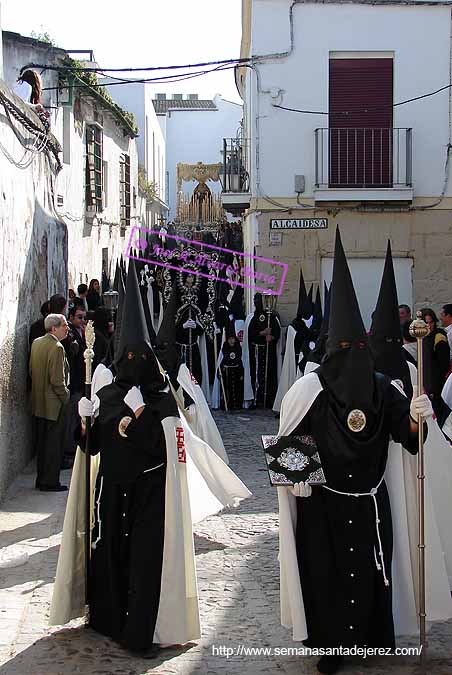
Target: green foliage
{"type": "Point", "coordinates": [43, 36]}
{"type": "Point", "coordinates": [148, 189]}
{"type": "Point", "coordinates": [90, 79]}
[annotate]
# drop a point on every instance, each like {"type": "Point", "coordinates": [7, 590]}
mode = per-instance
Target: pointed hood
{"type": "Point", "coordinates": [134, 329]}
{"type": "Point", "coordinates": [318, 352]}
{"type": "Point", "coordinates": [118, 319]}
{"type": "Point", "coordinates": [105, 282]}
{"type": "Point", "coordinates": [347, 371]}
{"type": "Point", "coordinates": [116, 279]}
{"type": "Point", "coordinates": [143, 286]}
{"type": "Point", "coordinates": [236, 304]}
{"type": "Point", "coordinates": [346, 324]}
{"type": "Point", "coordinates": [258, 304]}
{"type": "Point", "coordinates": [317, 313]}
{"type": "Point", "coordinates": [230, 329]}
{"type": "Point", "coordinates": [385, 334]}
{"type": "Point", "coordinates": [386, 320]}
{"type": "Point", "coordinates": [310, 303]}
{"type": "Point", "coordinates": [165, 341]}
{"type": "Point", "coordinates": [304, 307]}
{"type": "Point", "coordinates": [135, 361]}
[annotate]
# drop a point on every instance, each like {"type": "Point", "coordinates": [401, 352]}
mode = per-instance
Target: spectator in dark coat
{"type": "Point", "coordinates": [436, 359]}
{"type": "Point", "coordinates": [74, 345]}
{"type": "Point", "coordinates": [82, 292]}
{"type": "Point", "coordinates": [103, 345]}
{"type": "Point", "coordinates": [94, 298]}
{"type": "Point", "coordinates": [56, 305]}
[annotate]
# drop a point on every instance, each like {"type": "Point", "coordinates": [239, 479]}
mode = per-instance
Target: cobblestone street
{"type": "Point", "coordinates": [236, 553]}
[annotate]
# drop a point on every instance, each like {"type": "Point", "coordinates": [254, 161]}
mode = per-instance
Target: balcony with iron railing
{"type": "Point", "coordinates": [363, 164]}
{"type": "Point", "coordinates": [235, 179]}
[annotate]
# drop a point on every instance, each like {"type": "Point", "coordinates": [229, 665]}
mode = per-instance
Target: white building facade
{"type": "Point", "coordinates": [193, 130]}
{"type": "Point", "coordinates": [348, 151]}
{"type": "Point", "coordinates": [137, 98]}
{"type": "Point", "coordinates": [68, 201]}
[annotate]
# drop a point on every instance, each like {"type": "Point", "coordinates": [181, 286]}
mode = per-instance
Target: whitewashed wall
{"type": "Point", "coordinates": [419, 36]}
{"type": "Point", "coordinates": [137, 98]}
{"type": "Point", "coordinates": [33, 259]}
{"type": "Point", "coordinates": [87, 237]}
{"type": "Point", "coordinates": [197, 136]}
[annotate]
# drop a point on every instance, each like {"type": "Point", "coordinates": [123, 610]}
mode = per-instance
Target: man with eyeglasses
{"type": "Point", "coordinates": [74, 346]}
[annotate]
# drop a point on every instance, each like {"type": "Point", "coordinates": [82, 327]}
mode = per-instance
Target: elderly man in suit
{"type": "Point", "coordinates": [49, 372]}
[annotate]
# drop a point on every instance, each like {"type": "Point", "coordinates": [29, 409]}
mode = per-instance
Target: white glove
{"type": "Point", "coordinates": [134, 399]}
{"type": "Point", "coordinates": [421, 405]}
{"type": "Point", "coordinates": [87, 408]}
{"type": "Point", "coordinates": [301, 490]}
{"type": "Point", "coordinates": [189, 324]}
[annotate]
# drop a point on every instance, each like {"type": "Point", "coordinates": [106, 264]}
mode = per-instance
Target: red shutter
{"type": "Point", "coordinates": [360, 122]}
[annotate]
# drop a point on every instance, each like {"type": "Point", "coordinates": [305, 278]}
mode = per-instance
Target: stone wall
{"type": "Point", "coordinates": [33, 263]}
{"type": "Point", "coordinates": [423, 235]}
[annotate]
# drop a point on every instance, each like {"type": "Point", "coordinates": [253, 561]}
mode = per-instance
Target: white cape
{"type": "Point", "coordinates": [199, 416]}
{"type": "Point", "coordinates": [438, 469]}
{"type": "Point", "coordinates": [194, 490]}
{"type": "Point", "coordinates": [294, 407]}
{"type": "Point", "coordinates": [289, 369]}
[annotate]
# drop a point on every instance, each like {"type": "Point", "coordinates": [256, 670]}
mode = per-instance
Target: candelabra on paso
{"type": "Point", "coordinates": [88, 355]}
{"type": "Point", "coordinates": [419, 330]}
{"type": "Point", "coordinates": [269, 306]}
{"type": "Point", "coordinates": [188, 285]}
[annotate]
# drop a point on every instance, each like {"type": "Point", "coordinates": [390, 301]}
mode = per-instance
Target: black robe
{"type": "Point", "coordinates": [303, 338]}
{"type": "Point", "coordinates": [129, 507]}
{"type": "Point", "coordinates": [257, 355]}
{"type": "Point", "coordinates": [232, 373]}
{"type": "Point", "coordinates": [345, 596]}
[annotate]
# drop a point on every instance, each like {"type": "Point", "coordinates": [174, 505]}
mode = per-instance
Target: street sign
{"type": "Point", "coordinates": [299, 224]}
{"type": "Point", "coordinates": [275, 238]}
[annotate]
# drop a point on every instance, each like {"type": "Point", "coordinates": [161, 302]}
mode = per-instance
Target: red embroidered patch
{"type": "Point", "coordinates": [193, 379]}
{"type": "Point", "coordinates": [181, 456]}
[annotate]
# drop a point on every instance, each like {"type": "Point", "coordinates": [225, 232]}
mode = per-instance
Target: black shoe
{"type": "Point", "coordinates": [53, 488]}
{"type": "Point", "coordinates": [148, 653]}
{"type": "Point", "coordinates": [330, 664]}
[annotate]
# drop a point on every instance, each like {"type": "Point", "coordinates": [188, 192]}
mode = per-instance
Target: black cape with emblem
{"type": "Point", "coordinates": [128, 534]}
{"type": "Point", "coordinates": [344, 555]}
{"type": "Point", "coordinates": [232, 370]}
{"type": "Point", "coordinates": [264, 380]}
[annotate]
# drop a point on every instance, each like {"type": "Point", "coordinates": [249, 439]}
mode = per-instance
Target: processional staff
{"type": "Point", "coordinates": [217, 367]}
{"type": "Point", "coordinates": [419, 330]}
{"type": "Point", "coordinates": [269, 303]}
{"type": "Point", "coordinates": [88, 355]}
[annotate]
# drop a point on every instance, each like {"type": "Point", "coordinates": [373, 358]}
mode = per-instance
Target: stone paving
{"type": "Point", "coordinates": [236, 554]}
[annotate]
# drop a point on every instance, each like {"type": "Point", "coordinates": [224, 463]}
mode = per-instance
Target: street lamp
{"type": "Point", "coordinates": [111, 299]}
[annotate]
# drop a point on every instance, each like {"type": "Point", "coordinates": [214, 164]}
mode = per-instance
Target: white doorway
{"type": "Point", "coordinates": [366, 274]}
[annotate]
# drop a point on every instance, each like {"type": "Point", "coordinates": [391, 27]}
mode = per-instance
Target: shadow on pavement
{"type": "Point", "coordinates": [82, 650]}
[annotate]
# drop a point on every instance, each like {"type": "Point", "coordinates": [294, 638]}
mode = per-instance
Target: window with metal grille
{"type": "Point", "coordinates": [361, 139]}
{"type": "Point", "coordinates": [124, 191]}
{"type": "Point", "coordinates": [93, 170]}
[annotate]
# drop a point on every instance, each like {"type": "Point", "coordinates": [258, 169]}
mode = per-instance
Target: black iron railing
{"type": "Point", "coordinates": [235, 176]}
{"type": "Point", "coordinates": [363, 158]}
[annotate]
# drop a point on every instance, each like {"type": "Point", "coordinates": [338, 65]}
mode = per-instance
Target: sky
{"type": "Point", "coordinates": [141, 33]}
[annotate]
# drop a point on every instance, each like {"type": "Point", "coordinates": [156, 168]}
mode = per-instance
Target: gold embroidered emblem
{"type": "Point", "coordinates": [356, 420]}
{"type": "Point", "coordinates": [122, 426]}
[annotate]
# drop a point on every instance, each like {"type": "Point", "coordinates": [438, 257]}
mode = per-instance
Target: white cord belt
{"type": "Point", "coordinates": [373, 494]}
